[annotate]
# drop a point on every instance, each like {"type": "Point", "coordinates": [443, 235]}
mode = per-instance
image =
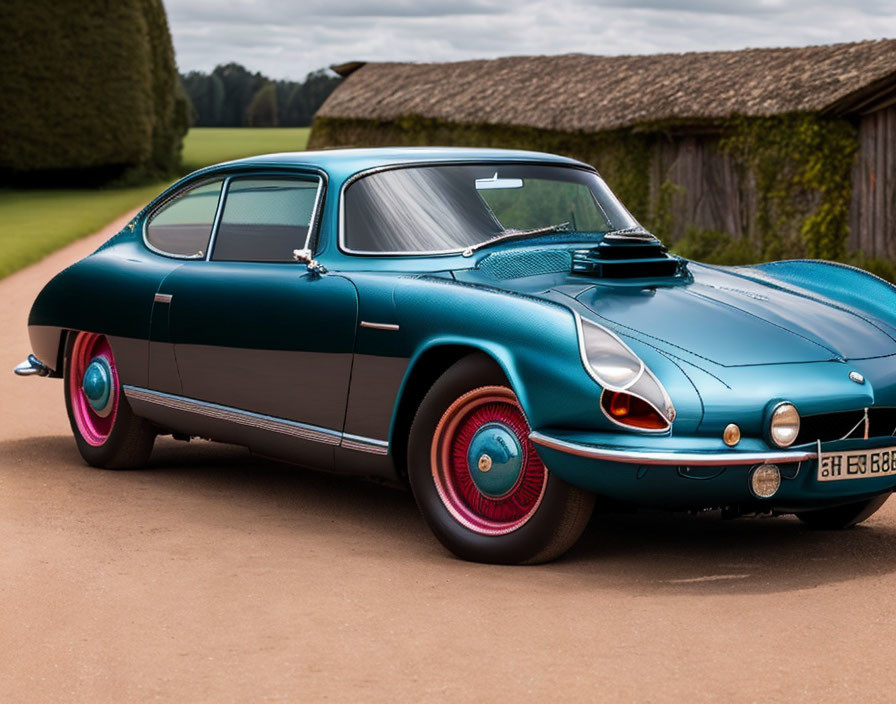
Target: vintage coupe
{"type": "Point", "coordinates": [492, 327]}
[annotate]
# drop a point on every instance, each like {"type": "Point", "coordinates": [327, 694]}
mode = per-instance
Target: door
{"type": "Point", "coordinates": [254, 331]}
{"type": "Point", "coordinates": [179, 230]}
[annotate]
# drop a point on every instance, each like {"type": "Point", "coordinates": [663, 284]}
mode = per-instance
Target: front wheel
{"type": "Point", "coordinates": [107, 432]}
{"type": "Point", "coordinates": [840, 517]}
{"type": "Point", "coordinates": [477, 478]}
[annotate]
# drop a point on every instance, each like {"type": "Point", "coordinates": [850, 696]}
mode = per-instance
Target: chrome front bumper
{"type": "Point", "coordinates": [650, 457]}
{"type": "Point", "coordinates": [31, 367]}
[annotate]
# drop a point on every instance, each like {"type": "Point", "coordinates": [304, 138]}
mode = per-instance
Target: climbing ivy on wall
{"type": "Point", "coordinates": [802, 165]}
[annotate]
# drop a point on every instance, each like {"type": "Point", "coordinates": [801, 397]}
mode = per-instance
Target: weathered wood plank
{"type": "Point", "coordinates": [890, 175]}
{"type": "Point", "coordinates": [880, 174]}
{"type": "Point", "coordinates": [715, 193]}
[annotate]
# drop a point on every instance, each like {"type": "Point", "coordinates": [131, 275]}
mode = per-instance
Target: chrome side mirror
{"type": "Point", "coordinates": [306, 257]}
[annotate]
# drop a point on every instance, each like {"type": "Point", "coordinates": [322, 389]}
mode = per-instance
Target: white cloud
{"type": "Point", "coordinates": [287, 39]}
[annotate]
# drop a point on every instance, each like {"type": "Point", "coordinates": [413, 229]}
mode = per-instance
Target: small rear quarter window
{"type": "Point", "coordinates": [183, 226]}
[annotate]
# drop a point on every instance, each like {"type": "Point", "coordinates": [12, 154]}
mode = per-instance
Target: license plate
{"type": "Point", "coordinates": [856, 464]}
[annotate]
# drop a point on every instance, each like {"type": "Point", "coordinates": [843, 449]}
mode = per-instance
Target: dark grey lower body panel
{"type": "Point", "coordinates": [307, 386]}
{"type": "Point", "coordinates": [298, 443]}
{"type": "Point", "coordinates": [376, 382]}
{"type": "Point", "coordinates": [45, 345]}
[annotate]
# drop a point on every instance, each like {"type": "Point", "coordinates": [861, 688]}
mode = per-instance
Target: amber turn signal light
{"type": "Point", "coordinates": [631, 410]}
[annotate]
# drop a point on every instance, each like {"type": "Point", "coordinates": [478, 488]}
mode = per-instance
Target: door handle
{"type": "Point", "coordinates": [163, 298]}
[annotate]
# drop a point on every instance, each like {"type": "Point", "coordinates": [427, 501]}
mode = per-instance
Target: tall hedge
{"type": "Point", "coordinates": [88, 86]}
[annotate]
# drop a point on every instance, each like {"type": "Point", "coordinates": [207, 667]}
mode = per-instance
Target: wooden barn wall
{"type": "Point", "coordinates": [872, 217]}
{"type": "Point", "coordinates": [705, 189]}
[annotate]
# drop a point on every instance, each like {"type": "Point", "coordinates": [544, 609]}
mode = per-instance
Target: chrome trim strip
{"type": "Point", "coordinates": [379, 326]}
{"type": "Point", "coordinates": [694, 459]}
{"type": "Point", "coordinates": [314, 214]}
{"type": "Point", "coordinates": [362, 444]}
{"type": "Point", "coordinates": [162, 298]}
{"type": "Point", "coordinates": [213, 235]}
{"type": "Point", "coordinates": [292, 428]}
{"type": "Point", "coordinates": [302, 431]}
{"type": "Point", "coordinates": [31, 367]}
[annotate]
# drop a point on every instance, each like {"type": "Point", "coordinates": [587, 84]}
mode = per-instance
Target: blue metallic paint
{"type": "Point", "coordinates": [496, 475]}
{"type": "Point", "coordinates": [726, 343]}
{"type": "Point", "coordinates": [97, 383]}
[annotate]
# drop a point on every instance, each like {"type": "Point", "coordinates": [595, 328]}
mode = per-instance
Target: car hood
{"type": "Point", "coordinates": [733, 321]}
{"type": "Point", "coordinates": [721, 317]}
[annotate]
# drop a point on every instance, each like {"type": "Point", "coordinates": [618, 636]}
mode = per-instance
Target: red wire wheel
{"type": "Point", "coordinates": [93, 388]}
{"type": "Point", "coordinates": [486, 471]}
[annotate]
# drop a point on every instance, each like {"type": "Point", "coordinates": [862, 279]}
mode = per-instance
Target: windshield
{"type": "Point", "coordinates": [436, 209]}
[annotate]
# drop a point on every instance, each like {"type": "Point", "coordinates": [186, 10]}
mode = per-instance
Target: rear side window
{"type": "Point", "coordinates": [265, 219]}
{"type": "Point", "coordinates": [182, 227]}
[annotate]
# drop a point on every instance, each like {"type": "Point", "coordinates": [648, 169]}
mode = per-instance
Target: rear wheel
{"type": "Point", "coordinates": [840, 517]}
{"type": "Point", "coordinates": [107, 432]}
{"type": "Point", "coordinates": [477, 478]}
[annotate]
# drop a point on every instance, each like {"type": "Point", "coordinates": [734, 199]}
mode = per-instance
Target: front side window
{"type": "Point", "coordinates": [183, 226]}
{"type": "Point", "coordinates": [450, 208]}
{"type": "Point", "coordinates": [265, 219]}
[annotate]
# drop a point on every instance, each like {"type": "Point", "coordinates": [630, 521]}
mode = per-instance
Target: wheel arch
{"type": "Point", "coordinates": [66, 339]}
{"type": "Point", "coordinates": [426, 366]}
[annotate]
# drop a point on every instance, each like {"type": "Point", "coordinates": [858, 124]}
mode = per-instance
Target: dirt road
{"type": "Point", "coordinates": [216, 577]}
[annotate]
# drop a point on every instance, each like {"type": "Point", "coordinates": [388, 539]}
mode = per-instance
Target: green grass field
{"type": "Point", "coordinates": [35, 222]}
{"type": "Point", "coordinates": [209, 145]}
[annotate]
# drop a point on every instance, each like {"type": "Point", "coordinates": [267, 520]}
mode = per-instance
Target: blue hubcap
{"type": "Point", "coordinates": [495, 459]}
{"type": "Point", "coordinates": [97, 384]}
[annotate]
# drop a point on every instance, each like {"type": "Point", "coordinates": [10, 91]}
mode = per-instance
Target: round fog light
{"type": "Point", "coordinates": [765, 480]}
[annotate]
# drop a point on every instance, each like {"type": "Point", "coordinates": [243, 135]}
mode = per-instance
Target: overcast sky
{"type": "Point", "coordinates": [289, 38]}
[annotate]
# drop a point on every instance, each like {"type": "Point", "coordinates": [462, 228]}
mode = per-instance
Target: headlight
{"type": "Point", "coordinates": [614, 364]}
{"type": "Point", "coordinates": [785, 424]}
{"type": "Point", "coordinates": [632, 394]}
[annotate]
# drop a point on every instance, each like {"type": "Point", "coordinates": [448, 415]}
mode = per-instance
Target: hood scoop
{"type": "Point", "coordinates": [628, 258]}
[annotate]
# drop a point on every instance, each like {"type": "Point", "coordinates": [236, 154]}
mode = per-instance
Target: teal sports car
{"type": "Point", "coordinates": [492, 328]}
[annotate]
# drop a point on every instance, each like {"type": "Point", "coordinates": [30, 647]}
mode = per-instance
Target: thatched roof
{"type": "Point", "coordinates": [595, 93]}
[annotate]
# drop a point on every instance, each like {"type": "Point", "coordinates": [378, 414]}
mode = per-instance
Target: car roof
{"type": "Point", "coordinates": [345, 162]}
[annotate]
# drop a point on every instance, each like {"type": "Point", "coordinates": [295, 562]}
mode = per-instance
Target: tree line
{"type": "Point", "coordinates": [232, 96]}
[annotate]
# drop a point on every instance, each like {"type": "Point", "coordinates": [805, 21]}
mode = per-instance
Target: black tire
{"type": "Point", "coordinates": [554, 522]}
{"type": "Point", "coordinates": [130, 439]}
{"type": "Point", "coordinates": [841, 517]}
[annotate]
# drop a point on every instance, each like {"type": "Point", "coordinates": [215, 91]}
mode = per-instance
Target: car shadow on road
{"type": "Point", "coordinates": [654, 551]}
{"type": "Point", "coordinates": [644, 552]}
{"type": "Point", "coordinates": [222, 485]}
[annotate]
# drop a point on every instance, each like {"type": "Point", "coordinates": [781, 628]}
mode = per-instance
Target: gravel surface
{"type": "Point", "coordinates": [213, 576]}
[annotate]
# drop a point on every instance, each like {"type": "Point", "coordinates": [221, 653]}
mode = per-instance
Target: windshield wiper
{"type": "Point", "coordinates": [512, 234]}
